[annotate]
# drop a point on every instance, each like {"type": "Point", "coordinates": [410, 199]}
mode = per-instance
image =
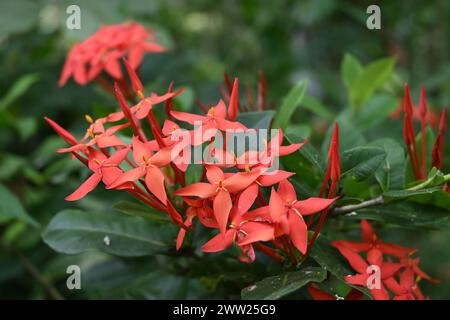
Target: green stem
{"type": "Point", "coordinates": [427, 182]}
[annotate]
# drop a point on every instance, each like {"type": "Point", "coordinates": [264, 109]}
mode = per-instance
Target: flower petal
{"type": "Point", "coordinates": [354, 259]}
{"type": "Point", "coordinates": [214, 174]}
{"type": "Point", "coordinates": [128, 176]}
{"type": "Point", "coordinates": [286, 191]}
{"type": "Point", "coordinates": [154, 179]}
{"type": "Point", "coordinates": [219, 242]}
{"type": "Point", "coordinates": [367, 232]}
{"type": "Point", "coordinates": [140, 151]}
{"type": "Point", "coordinates": [241, 180]}
{"type": "Point", "coordinates": [267, 180]}
{"type": "Point", "coordinates": [355, 246]}
{"type": "Point", "coordinates": [247, 198]}
{"type": "Point", "coordinates": [256, 231]}
{"type": "Point", "coordinates": [85, 187]}
{"type": "Point", "coordinates": [222, 206]}
{"type": "Point", "coordinates": [395, 250]}
{"type": "Point", "coordinates": [201, 189]}
{"type": "Point", "coordinates": [298, 231]}
{"type": "Point", "coordinates": [188, 117]}
{"type": "Point", "coordinates": [276, 206]}
{"type": "Point", "coordinates": [312, 205]}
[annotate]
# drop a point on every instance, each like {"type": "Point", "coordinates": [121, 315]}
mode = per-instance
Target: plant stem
{"type": "Point", "coordinates": [34, 272]}
{"type": "Point", "coordinates": [427, 182]}
{"type": "Point", "coordinates": [350, 208]}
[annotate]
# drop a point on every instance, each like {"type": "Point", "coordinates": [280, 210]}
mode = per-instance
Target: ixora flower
{"type": "Point", "coordinates": [103, 50]}
{"type": "Point", "coordinates": [392, 260]}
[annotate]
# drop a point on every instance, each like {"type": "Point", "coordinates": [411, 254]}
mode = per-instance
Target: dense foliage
{"type": "Point", "coordinates": [378, 162]}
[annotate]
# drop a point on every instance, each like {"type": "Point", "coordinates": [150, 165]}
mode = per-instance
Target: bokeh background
{"type": "Point", "coordinates": [288, 40]}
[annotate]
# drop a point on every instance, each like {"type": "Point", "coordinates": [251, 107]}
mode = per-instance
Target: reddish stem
{"type": "Point", "coordinates": [269, 252]}
{"type": "Point", "coordinates": [288, 247]}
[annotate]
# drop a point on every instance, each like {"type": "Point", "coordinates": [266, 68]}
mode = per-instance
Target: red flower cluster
{"type": "Point", "coordinates": [418, 162]}
{"type": "Point", "coordinates": [399, 272]}
{"type": "Point", "coordinates": [230, 195]}
{"type": "Point", "coordinates": [103, 51]}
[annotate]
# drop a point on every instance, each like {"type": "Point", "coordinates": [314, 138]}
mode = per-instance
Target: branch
{"type": "Point", "coordinates": [34, 272]}
{"type": "Point", "coordinates": [353, 207]}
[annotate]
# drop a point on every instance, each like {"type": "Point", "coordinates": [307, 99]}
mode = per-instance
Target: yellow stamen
{"type": "Point", "coordinates": [140, 94]}
{"type": "Point", "coordinates": [89, 119]}
{"type": "Point", "coordinates": [91, 133]}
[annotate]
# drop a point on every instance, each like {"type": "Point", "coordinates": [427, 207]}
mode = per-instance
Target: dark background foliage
{"type": "Point", "coordinates": [288, 40]}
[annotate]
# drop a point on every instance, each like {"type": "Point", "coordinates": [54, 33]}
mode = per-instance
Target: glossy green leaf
{"type": "Point", "coordinates": [311, 154]}
{"type": "Point", "coordinates": [391, 173]}
{"type": "Point", "coordinates": [361, 162]}
{"type": "Point", "coordinates": [289, 104]}
{"type": "Point", "coordinates": [138, 210]}
{"type": "Point", "coordinates": [276, 287]}
{"type": "Point", "coordinates": [74, 231]}
{"type": "Point", "coordinates": [256, 119]}
{"type": "Point", "coordinates": [406, 215]}
{"type": "Point", "coordinates": [349, 135]}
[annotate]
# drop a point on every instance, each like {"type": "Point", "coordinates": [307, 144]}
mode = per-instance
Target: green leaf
{"type": "Point", "coordinates": [330, 259]}
{"type": "Point", "coordinates": [18, 89]}
{"type": "Point", "coordinates": [302, 131]}
{"type": "Point", "coordinates": [391, 173]}
{"type": "Point", "coordinates": [312, 104]}
{"type": "Point", "coordinates": [74, 231]}
{"type": "Point", "coordinates": [349, 135]}
{"type": "Point", "coordinates": [311, 154]}
{"type": "Point", "coordinates": [351, 68]}
{"type": "Point", "coordinates": [403, 194]}
{"type": "Point", "coordinates": [276, 287]}
{"type": "Point", "coordinates": [256, 119]}
{"type": "Point", "coordinates": [290, 103]}
{"type": "Point", "coordinates": [407, 215]}
{"type": "Point", "coordinates": [376, 110]}
{"type": "Point", "coordinates": [138, 210]}
{"type": "Point", "coordinates": [11, 208]}
{"type": "Point", "coordinates": [361, 162]}
{"type": "Point", "coordinates": [370, 79]}
{"type": "Point", "coordinates": [193, 173]}
{"type": "Point", "coordinates": [161, 285]}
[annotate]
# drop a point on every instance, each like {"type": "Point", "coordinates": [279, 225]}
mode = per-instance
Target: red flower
{"type": "Point", "coordinates": [375, 258]}
{"type": "Point", "coordinates": [243, 232]}
{"type": "Point", "coordinates": [212, 121]}
{"type": "Point", "coordinates": [149, 165]}
{"type": "Point", "coordinates": [220, 189]}
{"type": "Point", "coordinates": [372, 243]}
{"type": "Point", "coordinates": [104, 168]}
{"type": "Point", "coordinates": [286, 213]}
{"type": "Point", "coordinates": [407, 288]}
{"type": "Point", "coordinates": [102, 51]}
{"type": "Point", "coordinates": [375, 248]}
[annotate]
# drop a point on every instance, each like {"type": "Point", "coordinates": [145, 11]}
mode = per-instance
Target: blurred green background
{"type": "Point", "coordinates": [288, 40]}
